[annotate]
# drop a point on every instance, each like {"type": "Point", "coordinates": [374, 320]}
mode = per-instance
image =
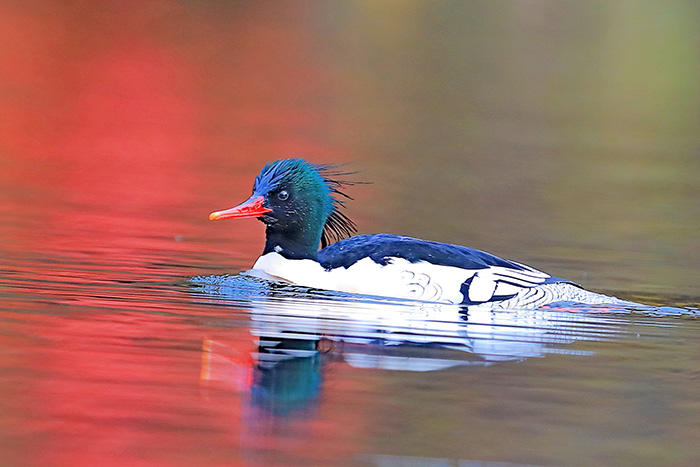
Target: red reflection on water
{"type": "Point", "coordinates": [109, 139]}
{"type": "Point", "coordinates": [101, 149]}
{"type": "Point", "coordinates": [116, 118]}
{"type": "Point", "coordinates": [114, 394]}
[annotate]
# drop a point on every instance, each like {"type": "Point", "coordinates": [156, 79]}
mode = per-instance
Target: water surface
{"type": "Point", "coordinates": [561, 136]}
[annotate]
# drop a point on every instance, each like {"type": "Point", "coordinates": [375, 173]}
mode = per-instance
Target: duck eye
{"type": "Point", "coordinates": [283, 195]}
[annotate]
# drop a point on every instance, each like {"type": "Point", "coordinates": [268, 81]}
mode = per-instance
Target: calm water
{"type": "Point", "coordinates": [560, 135]}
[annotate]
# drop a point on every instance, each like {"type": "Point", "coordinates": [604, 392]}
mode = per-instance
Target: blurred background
{"type": "Point", "coordinates": [557, 133]}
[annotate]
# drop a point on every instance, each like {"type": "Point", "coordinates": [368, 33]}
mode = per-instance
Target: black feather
{"type": "Point", "coordinates": [338, 226]}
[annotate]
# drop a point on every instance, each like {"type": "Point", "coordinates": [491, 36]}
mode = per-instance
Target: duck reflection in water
{"type": "Point", "coordinates": [301, 331]}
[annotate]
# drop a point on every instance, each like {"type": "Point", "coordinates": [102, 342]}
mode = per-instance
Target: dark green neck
{"type": "Point", "coordinates": [292, 243]}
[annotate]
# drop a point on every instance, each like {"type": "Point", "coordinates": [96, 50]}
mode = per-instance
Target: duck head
{"type": "Point", "coordinates": [299, 204]}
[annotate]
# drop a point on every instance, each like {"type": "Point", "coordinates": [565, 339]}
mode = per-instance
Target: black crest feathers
{"type": "Point", "coordinates": [338, 225]}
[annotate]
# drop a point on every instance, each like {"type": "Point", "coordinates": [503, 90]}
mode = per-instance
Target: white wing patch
{"type": "Point", "coordinates": [482, 287]}
{"type": "Point", "coordinates": [400, 278]}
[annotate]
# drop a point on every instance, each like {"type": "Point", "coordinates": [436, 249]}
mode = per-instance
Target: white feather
{"type": "Point", "coordinates": [429, 282]}
{"type": "Point", "coordinates": [399, 278]}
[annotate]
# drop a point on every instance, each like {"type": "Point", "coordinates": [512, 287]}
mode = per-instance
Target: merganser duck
{"type": "Point", "coordinates": [300, 204]}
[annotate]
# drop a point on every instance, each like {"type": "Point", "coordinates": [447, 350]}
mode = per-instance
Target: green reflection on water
{"type": "Point", "coordinates": [537, 131]}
